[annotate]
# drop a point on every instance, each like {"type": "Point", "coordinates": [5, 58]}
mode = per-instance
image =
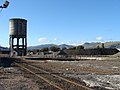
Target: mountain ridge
{"type": "Point", "coordinates": [48, 46]}
{"type": "Point", "coordinates": [86, 45]}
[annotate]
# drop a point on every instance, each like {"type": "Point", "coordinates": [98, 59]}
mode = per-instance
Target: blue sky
{"type": "Point", "coordinates": [64, 21]}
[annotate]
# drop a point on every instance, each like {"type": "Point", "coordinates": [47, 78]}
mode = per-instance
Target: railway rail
{"type": "Point", "coordinates": [55, 80]}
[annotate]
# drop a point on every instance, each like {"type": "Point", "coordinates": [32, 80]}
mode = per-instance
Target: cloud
{"type": "Point", "coordinates": [75, 43]}
{"type": "Point", "coordinates": [43, 40]}
{"type": "Point", "coordinates": [55, 39]}
{"type": "Point", "coordinates": [62, 43]}
{"type": "Point", "coordinates": [99, 38]}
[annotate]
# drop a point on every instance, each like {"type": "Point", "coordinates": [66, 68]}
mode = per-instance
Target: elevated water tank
{"type": "Point", "coordinates": [18, 36]}
{"type": "Point", "coordinates": [17, 27]}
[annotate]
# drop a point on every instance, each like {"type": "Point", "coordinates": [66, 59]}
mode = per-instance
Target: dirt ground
{"type": "Point", "coordinates": [13, 79]}
{"type": "Point", "coordinates": [105, 74]}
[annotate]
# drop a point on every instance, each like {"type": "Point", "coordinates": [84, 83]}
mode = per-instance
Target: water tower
{"type": "Point", "coordinates": [18, 36]}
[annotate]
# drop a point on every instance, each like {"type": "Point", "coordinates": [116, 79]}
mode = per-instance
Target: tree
{"type": "Point", "coordinates": [29, 51]}
{"type": "Point", "coordinates": [64, 48]}
{"type": "Point", "coordinates": [98, 47]}
{"type": "Point", "coordinates": [103, 46]}
{"type": "Point", "coordinates": [79, 47]}
{"type": "Point", "coordinates": [72, 48]}
{"type": "Point", "coordinates": [46, 49]}
{"type": "Point", "coordinates": [36, 51]}
{"type": "Point", "coordinates": [54, 48]}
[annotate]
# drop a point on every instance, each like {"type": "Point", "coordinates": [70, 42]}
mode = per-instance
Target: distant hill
{"type": "Point", "coordinates": [86, 45]}
{"type": "Point", "coordinates": [91, 45]}
{"type": "Point", "coordinates": [106, 44]}
{"type": "Point", "coordinates": [112, 44]}
{"type": "Point", "coordinates": [65, 45]}
{"type": "Point", "coordinates": [40, 46]}
{"type": "Point", "coordinates": [48, 45]}
{"type": "Point", "coordinates": [3, 48]}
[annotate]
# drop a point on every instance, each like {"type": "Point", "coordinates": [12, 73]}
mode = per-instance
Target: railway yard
{"type": "Point", "coordinates": [61, 75]}
{"type": "Point", "coordinates": [60, 45]}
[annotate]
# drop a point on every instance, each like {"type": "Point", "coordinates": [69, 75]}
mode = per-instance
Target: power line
{"type": "Point", "coordinates": [1, 10]}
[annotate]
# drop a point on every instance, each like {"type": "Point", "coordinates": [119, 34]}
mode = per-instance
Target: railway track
{"type": "Point", "coordinates": [54, 80]}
